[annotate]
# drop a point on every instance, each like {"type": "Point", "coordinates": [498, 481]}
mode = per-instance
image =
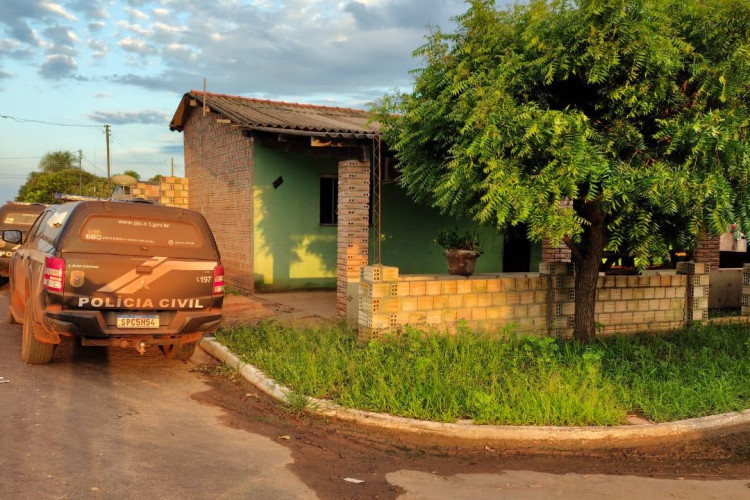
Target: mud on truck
{"type": "Point", "coordinates": [115, 273]}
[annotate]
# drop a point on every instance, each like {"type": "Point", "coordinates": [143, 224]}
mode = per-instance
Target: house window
{"type": "Point", "coordinates": [329, 193]}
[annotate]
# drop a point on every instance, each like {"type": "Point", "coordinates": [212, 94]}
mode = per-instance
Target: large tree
{"type": "Point", "coordinates": [58, 160]}
{"type": "Point", "coordinates": [606, 124]}
{"type": "Point", "coordinates": [58, 174]}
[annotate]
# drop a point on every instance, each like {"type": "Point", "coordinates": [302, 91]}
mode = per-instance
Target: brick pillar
{"type": "Point", "coordinates": [707, 251]}
{"type": "Point", "coordinates": [353, 229]}
{"type": "Point", "coordinates": [551, 253]}
{"type": "Point", "coordinates": [696, 296]}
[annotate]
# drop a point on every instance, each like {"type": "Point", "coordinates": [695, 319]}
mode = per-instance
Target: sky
{"type": "Point", "coordinates": [79, 64]}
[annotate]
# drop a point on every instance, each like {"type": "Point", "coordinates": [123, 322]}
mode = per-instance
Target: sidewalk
{"type": "Point", "coordinates": [299, 308]}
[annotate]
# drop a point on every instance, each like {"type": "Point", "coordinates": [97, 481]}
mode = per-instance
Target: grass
{"type": "Point", "coordinates": [503, 379]}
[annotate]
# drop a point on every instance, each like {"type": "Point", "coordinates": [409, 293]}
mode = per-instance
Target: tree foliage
{"type": "Point", "coordinates": [132, 173]}
{"type": "Point", "coordinates": [58, 160]}
{"type": "Point", "coordinates": [54, 177]}
{"type": "Point", "coordinates": [637, 111]}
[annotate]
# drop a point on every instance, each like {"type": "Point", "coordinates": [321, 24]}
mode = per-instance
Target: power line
{"type": "Point", "coordinates": [28, 120]}
{"type": "Point", "coordinates": [136, 155]}
{"type": "Point", "coordinates": [92, 164]}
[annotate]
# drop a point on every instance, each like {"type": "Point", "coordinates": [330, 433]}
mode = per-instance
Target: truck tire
{"type": "Point", "coordinates": [182, 352]}
{"type": "Point", "coordinates": [33, 352]}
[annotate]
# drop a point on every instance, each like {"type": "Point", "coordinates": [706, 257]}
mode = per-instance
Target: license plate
{"type": "Point", "coordinates": [138, 321]}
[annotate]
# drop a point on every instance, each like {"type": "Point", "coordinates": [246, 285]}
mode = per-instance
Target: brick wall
{"type": "Point", "coordinates": [536, 303]}
{"type": "Point", "coordinates": [707, 251]}
{"type": "Point", "coordinates": [219, 164]}
{"type": "Point", "coordinates": [551, 253]}
{"type": "Point", "coordinates": [353, 227]}
{"type": "Point", "coordinates": [388, 301]}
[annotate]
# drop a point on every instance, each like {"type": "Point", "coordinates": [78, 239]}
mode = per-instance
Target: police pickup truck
{"type": "Point", "coordinates": [115, 273]}
{"type": "Point", "coordinates": [18, 216]}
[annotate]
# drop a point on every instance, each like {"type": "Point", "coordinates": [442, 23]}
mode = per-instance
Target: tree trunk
{"type": "Point", "coordinates": [587, 259]}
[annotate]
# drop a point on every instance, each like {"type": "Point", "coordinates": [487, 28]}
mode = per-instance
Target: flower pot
{"type": "Point", "coordinates": [461, 262]}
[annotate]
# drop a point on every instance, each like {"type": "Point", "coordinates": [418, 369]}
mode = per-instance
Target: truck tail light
{"type": "Point", "coordinates": [218, 280]}
{"type": "Point", "coordinates": [54, 274]}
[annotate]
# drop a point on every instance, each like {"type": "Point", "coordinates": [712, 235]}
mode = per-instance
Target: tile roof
{"type": "Point", "coordinates": [259, 114]}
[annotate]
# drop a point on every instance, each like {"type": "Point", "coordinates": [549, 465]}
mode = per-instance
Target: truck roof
{"type": "Point", "coordinates": [139, 229]}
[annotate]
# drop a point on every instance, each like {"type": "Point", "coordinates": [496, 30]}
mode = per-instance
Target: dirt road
{"type": "Point", "coordinates": [109, 423]}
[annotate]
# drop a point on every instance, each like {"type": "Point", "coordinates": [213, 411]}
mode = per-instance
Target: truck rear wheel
{"type": "Point", "coordinates": [33, 352]}
{"type": "Point", "coordinates": [183, 351]}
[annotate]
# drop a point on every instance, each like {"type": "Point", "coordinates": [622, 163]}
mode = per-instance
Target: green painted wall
{"type": "Point", "coordinates": [409, 231]}
{"type": "Point", "coordinates": [291, 248]}
{"type": "Point", "coordinates": [293, 251]}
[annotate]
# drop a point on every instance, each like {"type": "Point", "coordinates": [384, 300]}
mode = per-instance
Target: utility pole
{"type": "Point", "coordinates": [171, 169]}
{"type": "Point", "coordinates": [80, 172]}
{"type": "Point", "coordinates": [109, 180]}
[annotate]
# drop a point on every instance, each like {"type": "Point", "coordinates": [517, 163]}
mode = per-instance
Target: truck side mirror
{"type": "Point", "coordinates": [13, 236]}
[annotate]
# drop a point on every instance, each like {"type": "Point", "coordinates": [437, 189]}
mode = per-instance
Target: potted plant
{"type": "Point", "coordinates": [461, 250]}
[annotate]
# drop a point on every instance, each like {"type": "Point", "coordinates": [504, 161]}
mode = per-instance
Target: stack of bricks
{"type": "Point", "coordinates": [174, 191]}
{"type": "Point", "coordinates": [146, 190]}
{"type": "Point", "coordinates": [389, 302]}
{"type": "Point", "coordinates": [696, 299]}
{"type": "Point", "coordinates": [353, 227]}
{"type": "Point", "coordinates": [550, 253]}
{"type": "Point", "coordinates": [378, 300]}
{"type": "Point", "coordinates": [707, 251]}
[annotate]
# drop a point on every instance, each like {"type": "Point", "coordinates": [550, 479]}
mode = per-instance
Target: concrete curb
{"type": "Point", "coordinates": [497, 436]}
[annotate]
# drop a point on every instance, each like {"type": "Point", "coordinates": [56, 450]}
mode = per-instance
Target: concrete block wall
{"type": "Point", "coordinates": [537, 303]}
{"type": "Point", "coordinates": [388, 302]}
{"type": "Point", "coordinates": [624, 304]}
{"type": "Point", "coordinates": [175, 192]}
{"type": "Point", "coordinates": [219, 162]}
{"type": "Point", "coordinates": [745, 290]}
{"type": "Point", "coordinates": [698, 288]}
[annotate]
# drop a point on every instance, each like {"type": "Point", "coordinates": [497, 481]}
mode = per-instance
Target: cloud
{"type": "Point", "coordinates": [135, 14]}
{"type": "Point", "coordinates": [21, 31]}
{"type": "Point", "coordinates": [56, 8]}
{"type": "Point", "coordinates": [102, 95]}
{"type": "Point", "coordinates": [96, 26]}
{"type": "Point", "coordinates": [61, 35]}
{"type": "Point", "coordinates": [145, 117]}
{"type": "Point", "coordinates": [299, 47]}
{"type": "Point", "coordinates": [99, 48]}
{"type": "Point", "coordinates": [4, 75]}
{"type": "Point", "coordinates": [136, 46]}
{"type": "Point", "coordinates": [400, 13]}
{"type": "Point", "coordinates": [13, 49]}
{"type": "Point", "coordinates": [171, 149]}
{"type": "Point", "coordinates": [147, 82]}
{"type": "Point", "coordinates": [92, 9]}
{"type": "Point", "coordinates": [179, 53]}
{"type": "Point", "coordinates": [58, 66]}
